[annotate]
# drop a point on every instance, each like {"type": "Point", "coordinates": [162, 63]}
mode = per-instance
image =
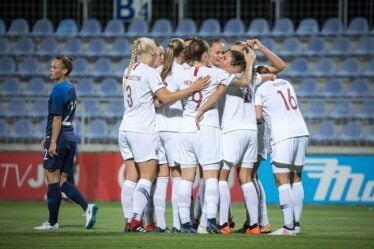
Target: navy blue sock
{"type": "Point", "coordinates": [54, 201]}
{"type": "Point", "coordinates": [73, 193]}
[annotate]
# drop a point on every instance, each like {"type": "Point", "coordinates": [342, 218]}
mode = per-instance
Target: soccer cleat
{"type": "Point", "coordinates": [266, 229]}
{"type": "Point", "coordinates": [160, 230]}
{"type": "Point", "coordinates": [47, 226]}
{"type": "Point", "coordinates": [253, 231]}
{"type": "Point", "coordinates": [225, 229]}
{"type": "Point", "coordinates": [283, 231]}
{"type": "Point", "coordinates": [187, 228]}
{"type": "Point", "coordinates": [150, 227]}
{"type": "Point", "coordinates": [91, 215]}
{"type": "Point", "coordinates": [297, 229]}
{"type": "Point", "coordinates": [202, 230]}
{"type": "Point", "coordinates": [136, 226]}
{"type": "Point", "coordinates": [175, 230]}
{"type": "Point", "coordinates": [212, 228]}
{"type": "Point", "coordinates": [127, 227]}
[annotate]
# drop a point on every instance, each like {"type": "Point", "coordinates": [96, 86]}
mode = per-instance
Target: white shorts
{"type": "Point", "coordinates": [289, 155]}
{"type": "Point", "coordinates": [263, 140]}
{"type": "Point", "coordinates": [161, 152]}
{"type": "Point", "coordinates": [239, 148]}
{"type": "Point", "coordinates": [202, 147]}
{"type": "Point", "coordinates": [144, 146]}
{"type": "Point", "coordinates": [123, 146]}
{"type": "Point", "coordinates": [169, 141]}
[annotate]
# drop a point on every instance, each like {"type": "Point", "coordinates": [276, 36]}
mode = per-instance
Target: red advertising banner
{"type": "Point", "coordinates": [99, 176]}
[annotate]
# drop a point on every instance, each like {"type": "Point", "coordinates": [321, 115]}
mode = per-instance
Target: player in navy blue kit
{"type": "Point", "coordinates": [59, 146]}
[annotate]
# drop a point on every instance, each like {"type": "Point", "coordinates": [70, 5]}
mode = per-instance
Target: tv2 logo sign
{"type": "Point", "coordinates": [335, 179]}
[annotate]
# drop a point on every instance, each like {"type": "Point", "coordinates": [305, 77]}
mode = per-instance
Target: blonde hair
{"type": "Point", "coordinates": [242, 45]}
{"type": "Point", "coordinates": [174, 49]}
{"type": "Point", "coordinates": [139, 46]}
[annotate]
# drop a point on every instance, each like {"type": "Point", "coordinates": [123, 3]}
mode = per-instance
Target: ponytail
{"type": "Point", "coordinates": [174, 49]}
{"type": "Point", "coordinates": [134, 53]}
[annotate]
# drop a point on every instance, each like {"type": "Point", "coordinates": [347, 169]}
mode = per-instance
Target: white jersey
{"type": "Point", "coordinates": [169, 117]}
{"type": "Point", "coordinates": [239, 110]}
{"type": "Point", "coordinates": [140, 115]}
{"type": "Point", "coordinates": [281, 110]}
{"type": "Point", "coordinates": [197, 99]}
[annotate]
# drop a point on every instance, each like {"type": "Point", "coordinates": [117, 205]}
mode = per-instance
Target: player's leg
{"type": "Point", "coordinates": [224, 198]}
{"type": "Point", "coordinates": [176, 178]}
{"type": "Point", "coordinates": [199, 215]}
{"type": "Point", "coordinates": [159, 197]}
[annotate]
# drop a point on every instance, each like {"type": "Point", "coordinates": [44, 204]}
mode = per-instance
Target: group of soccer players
{"type": "Point", "coordinates": [203, 108]}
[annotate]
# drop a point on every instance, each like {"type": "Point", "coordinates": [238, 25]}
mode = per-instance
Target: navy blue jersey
{"type": "Point", "coordinates": [62, 102]}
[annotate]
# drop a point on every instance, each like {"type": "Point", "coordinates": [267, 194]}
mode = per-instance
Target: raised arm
{"type": "Point", "coordinates": [246, 78]}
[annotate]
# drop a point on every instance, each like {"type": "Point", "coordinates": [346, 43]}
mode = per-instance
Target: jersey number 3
{"type": "Point", "coordinates": [290, 101]}
{"type": "Point", "coordinates": [129, 97]}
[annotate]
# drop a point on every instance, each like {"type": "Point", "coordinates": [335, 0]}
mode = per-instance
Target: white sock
{"type": "Point", "coordinates": [264, 210]}
{"type": "Point", "coordinates": [211, 197]}
{"type": "Point", "coordinates": [141, 197]}
{"type": "Point", "coordinates": [150, 208]}
{"type": "Point", "coordinates": [127, 193]}
{"type": "Point", "coordinates": [184, 200]}
{"type": "Point", "coordinates": [199, 203]}
{"type": "Point", "coordinates": [224, 202]}
{"type": "Point", "coordinates": [286, 203]}
{"type": "Point", "coordinates": [203, 218]}
{"type": "Point", "coordinates": [174, 202]}
{"type": "Point", "coordinates": [251, 201]}
{"type": "Point", "coordinates": [159, 200]}
{"type": "Point", "coordinates": [298, 194]}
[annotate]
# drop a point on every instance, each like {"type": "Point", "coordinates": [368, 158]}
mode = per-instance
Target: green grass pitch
{"type": "Point", "coordinates": [323, 226]}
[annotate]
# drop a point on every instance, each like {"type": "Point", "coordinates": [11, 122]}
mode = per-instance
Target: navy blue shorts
{"type": "Point", "coordinates": [64, 160]}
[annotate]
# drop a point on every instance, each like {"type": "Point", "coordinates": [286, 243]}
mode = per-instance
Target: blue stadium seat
{"type": "Point", "coordinates": [186, 27]}
{"type": "Point", "coordinates": [18, 27]}
{"type": "Point", "coordinates": [369, 71]}
{"type": "Point", "coordinates": [2, 27]}
{"type": "Point", "coordinates": [210, 27]}
{"type": "Point", "coordinates": [115, 109]}
{"type": "Point", "coordinates": [80, 67]}
{"type": "Point", "coordinates": [85, 87]}
{"type": "Point", "coordinates": [334, 88]}
{"type": "Point", "coordinates": [332, 27]}
{"type": "Point", "coordinates": [308, 26]}
{"type": "Point", "coordinates": [234, 28]}
{"type": "Point", "coordinates": [137, 27]}
{"type": "Point", "coordinates": [326, 133]}
{"type": "Point", "coordinates": [39, 109]}
{"type": "Point", "coordinates": [360, 88]}
{"type": "Point", "coordinates": [7, 66]}
{"type": "Point", "coordinates": [316, 47]}
{"type": "Point", "coordinates": [96, 47]}
{"type": "Point", "coordinates": [366, 110]}
{"type": "Point", "coordinates": [73, 47]}
{"type": "Point", "coordinates": [4, 46]}
{"type": "Point", "coordinates": [92, 108]}
{"type": "Point", "coordinates": [36, 87]}
{"type": "Point", "coordinates": [340, 47]}
{"type": "Point", "coordinates": [308, 88]}
{"type": "Point", "coordinates": [358, 26]}
{"type": "Point", "coordinates": [90, 28]}
{"type": "Point", "coordinates": [350, 67]}
{"type": "Point", "coordinates": [24, 46]}
{"type": "Point", "coordinates": [42, 27]}
{"type": "Point", "coordinates": [299, 67]}
{"type": "Point", "coordinates": [370, 136]}
{"type": "Point", "coordinates": [48, 47]}
{"type": "Point", "coordinates": [29, 67]}
{"type": "Point", "coordinates": [121, 47]}
{"type": "Point", "coordinates": [342, 110]}
{"type": "Point", "coordinates": [16, 108]}
{"type": "Point", "coordinates": [365, 46]}
{"type": "Point", "coordinates": [258, 27]}
{"type": "Point", "coordinates": [324, 68]}
{"type": "Point", "coordinates": [77, 128]}
{"type": "Point", "coordinates": [269, 43]}
{"type": "Point", "coordinates": [11, 87]}
{"type": "Point", "coordinates": [97, 130]}
{"type": "Point", "coordinates": [283, 27]}
{"type": "Point", "coordinates": [353, 132]}
{"type": "Point", "coordinates": [114, 28]}
{"type": "Point", "coordinates": [122, 65]}
{"type": "Point", "coordinates": [317, 110]}
{"type": "Point", "coordinates": [102, 68]}
{"type": "Point", "coordinates": [4, 129]}
{"type": "Point", "coordinates": [162, 28]}
{"type": "Point", "coordinates": [291, 47]}
{"type": "Point", "coordinates": [67, 28]}
{"type": "Point", "coordinates": [113, 135]}
{"type": "Point", "coordinates": [39, 133]}
{"type": "Point", "coordinates": [110, 87]}
{"type": "Point", "coordinates": [22, 129]}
